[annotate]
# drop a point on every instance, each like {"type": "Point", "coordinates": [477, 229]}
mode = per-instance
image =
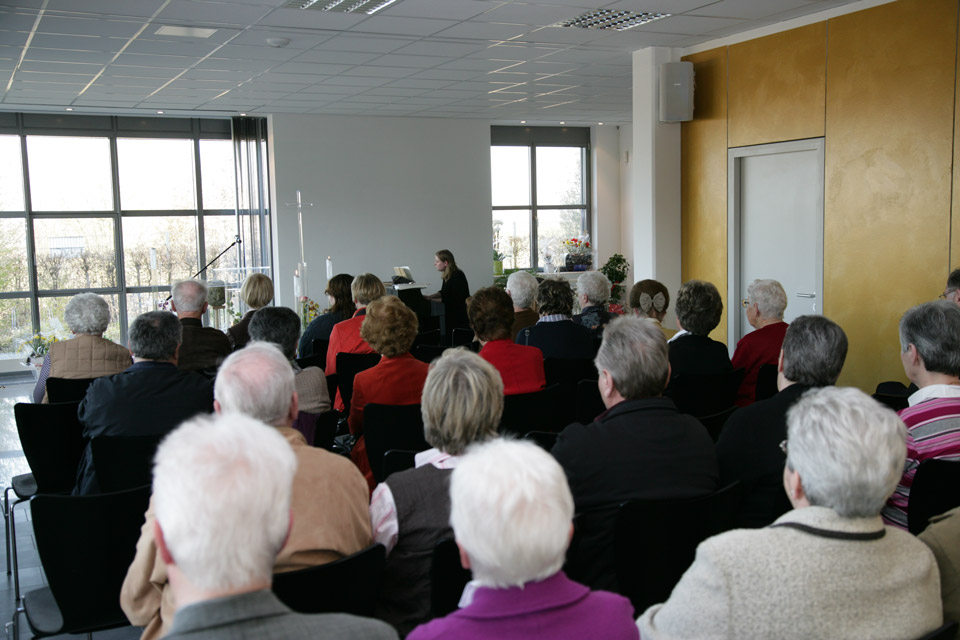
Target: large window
{"type": "Point", "coordinates": [118, 206]}
{"type": "Point", "coordinates": [541, 192]}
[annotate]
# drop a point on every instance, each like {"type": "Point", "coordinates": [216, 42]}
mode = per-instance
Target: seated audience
{"type": "Point", "coordinates": [512, 514]}
{"type": "Point", "coordinates": [281, 326]}
{"type": "Point", "coordinates": [341, 308]}
{"type": "Point", "coordinates": [88, 354]}
{"type": "Point", "coordinates": [828, 568]}
{"type": "Point", "coordinates": [593, 291]}
{"type": "Point", "coordinates": [202, 347]}
{"type": "Point", "coordinates": [698, 313]}
{"type": "Point", "coordinates": [748, 450]}
{"type": "Point", "coordinates": [390, 328]}
{"type": "Point", "coordinates": [345, 336]}
{"type": "Point", "coordinates": [462, 404]}
{"type": "Point", "coordinates": [765, 303]}
{"type": "Point", "coordinates": [151, 397]}
{"type": "Point", "coordinates": [328, 524]}
{"type": "Point", "coordinates": [222, 494]}
{"type": "Point", "coordinates": [639, 448]}
{"type": "Point", "coordinates": [943, 537]}
{"type": "Point", "coordinates": [930, 345]}
{"type": "Point", "coordinates": [491, 317]}
{"type": "Point", "coordinates": [651, 299]}
{"type": "Point", "coordinates": [256, 292]}
{"type": "Point", "coordinates": [556, 334]}
{"type": "Point", "coordinates": [522, 289]}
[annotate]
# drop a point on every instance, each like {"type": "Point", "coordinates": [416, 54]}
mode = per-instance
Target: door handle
{"type": "Point", "coordinates": [806, 295]}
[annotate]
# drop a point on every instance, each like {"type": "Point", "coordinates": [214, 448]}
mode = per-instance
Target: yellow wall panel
{"type": "Point", "coordinates": [777, 86]}
{"type": "Point", "coordinates": [891, 73]}
{"type": "Point", "coordinates": [954, 259]}
{"type": "Point", "coordinates": [704, 178]}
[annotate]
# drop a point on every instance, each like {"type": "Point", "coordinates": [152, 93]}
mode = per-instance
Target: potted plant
{"type": "Point", "coordinates": [616, 269]}
{"type": "Point", "coordinates": [497, 262]}
{"type": "Point", "coordinates": [579, 253]}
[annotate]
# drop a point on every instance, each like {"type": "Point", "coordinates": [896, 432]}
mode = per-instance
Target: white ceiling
{"type": "Point", "coordinates": [493, 59]}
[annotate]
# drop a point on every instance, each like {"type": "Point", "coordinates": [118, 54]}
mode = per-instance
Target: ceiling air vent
{"type": "Point", "coordinates": [610, 19]}
{"type": "Point", "coordinates": [342, 6]}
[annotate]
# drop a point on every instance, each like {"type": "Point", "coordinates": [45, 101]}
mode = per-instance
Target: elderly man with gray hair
{"type": "Point", "coordinates": [222, 494]}
{"type": "Point", "coordinates": [329, 524]}
{"type": "Point", "coordinates": [813, 353]}
{"type": "Point", "coordinates": [512, 514]}
{"type": "Point", "coordinates": [641, 447]}
{"type": "Point", "coordinates": [203, 348]}
{"type": "Point", "coordinates": [522, 288]}
{"type": "Point", "coordinates": [150, 398]}
{"type": "Point", "coordinates": [765, 303]}
{"type": "Point", "coordinates": [593, 291]}
{"type": "Point", "coordinates": [827, 569]}
{"type": "Point", "coordinates": [930, 354]}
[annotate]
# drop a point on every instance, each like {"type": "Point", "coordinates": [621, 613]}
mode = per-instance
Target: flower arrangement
{"type": "Point", "coordinates": [616, 271]}
{"type": "Point", "coordinates": [39, 345]}
{"type": "Point", "coordinates": [577, 246]}
{"type": "Point", "coordinates": [309, 310]}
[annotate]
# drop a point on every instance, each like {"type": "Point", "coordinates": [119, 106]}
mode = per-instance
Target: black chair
{"type": "Point", "coordinates": [67, 389]}
{"type": "Point", "coordinates": [766, 382]}
{"type": "Point", "coordinates": [431, 337]}
{"type": "Point", "coordinates": [544, 410]}
{"type": "Point", "coordinates": [447, 578]}
{"type": "Point", "coordinates": [52, 441]}
{"type": "Point", "coordinates": [319, 348]}
{"type": "Point", "coordinates": [462, 337]}
{"type": "Point", "coordinates": [123, 462]}
{"type": "Point", "coordinates": [893, 401]}
{"type": "Point", "coordinates": [312, 361]}
{"type": "Point", "coordinates": [568, 372]}
{"type": "Point", "coordinates": [326, 430]}
{"type": "Point", "coordinates": [396, 460]}
{"type": "Point", "coordinates": [428, 352]}
{"type": "Point", "coordinates": [348, 366]}
{"type": "Point", "coordinates": [387, 427]}
{"type": "Point", "coordinates": [86, 545]}
{"type": "Point", "coordinates": [347, 585]}
{"type": "Point", "coordinates": [655, 540]}
{"type": "Point", "coordinates": [545, 439]}
{"type": "Point", "coordinates": [332, 381]}
{"type": "Point", "coordinates": [705, 394]}
{"type": "Point", "coordinates": [714, 423]}
{"type": "Point", "coordinates": [946, 632]}
{"type": "Point", "coordinates": [589, 402]}
{"type": "Point", "coordinates": [935, 489]}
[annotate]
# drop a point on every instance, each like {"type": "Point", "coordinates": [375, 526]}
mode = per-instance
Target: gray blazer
{"type": "Point", "coordinates": [261, 615]}
{"type": "Point", "coordinates": [834, 578]}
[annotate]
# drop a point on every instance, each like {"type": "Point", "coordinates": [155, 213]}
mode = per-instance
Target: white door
{"type": "Point", "coordinates": [775, 226]}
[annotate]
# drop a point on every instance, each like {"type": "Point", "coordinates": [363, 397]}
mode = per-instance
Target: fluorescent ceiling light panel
{"type": "Point", "coordinates": [613, 20]}
{"type": "Point", "coordinates": [185, 32]}
{"type": "Point", "coordinates": [342, 6]}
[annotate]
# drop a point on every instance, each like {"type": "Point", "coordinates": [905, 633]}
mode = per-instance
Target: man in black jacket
{"type": "Point", "coordinates": [149, 398]}
{"type": "Point", "coordinates": [639, 448]}
{"type": "Point", "coordinates": [748, 449]}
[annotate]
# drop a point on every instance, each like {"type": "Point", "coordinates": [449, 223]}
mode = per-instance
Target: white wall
{"type": "Point", "coordinates": [386, 192]}
{"type": "Point", "coordinates": [605, 231]}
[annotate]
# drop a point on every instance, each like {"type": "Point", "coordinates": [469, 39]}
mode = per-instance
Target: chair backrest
{"type": "Point", "coordinates": [766, 382]}
{"type": "Point", "coordinates": [447, 578]}
{"type": "Point", "coordinates": [544, 410]}
{"type": "Point", "coordinates": [569, 370]}
{"type": "Point", "coordinates": [705, 394]}
{"type": "Point", "coordinates": [714, 423]}
{"type": "Point", "coordinates": [123, 463]}
{"type": "Point", "coordinates": [388, 427]}
{"type": "Point", "coordinates": [326, 430]}
{"type": "Point", "coordinates": [312, 361]}
{"type": "Point", "coordinates": [589, 401]}
{"type": "Point", "coordinates": [396, 460]}
{"type": "Point", "coordinates": [430, 337]}
{"type": "Point", "coordinates": [461, 337]}
{"type": "Point", "coordinates": [86, 545]}
{"type": "Point", "coordinates": [52, 441]}
{"type": "Point", "coordinates": [348, 366]}
{"type": "Point", "coordinates": [428, 352]}
{"type": "Point", "coordinates": [544, 439]}
{"type": "Point", "coordinates": [319, 348]}
{"type": "Point", "coordinates": [67, 389]}
{"type": "Point", "coordinates": [332, 382]}
{"type": "Point", "coordinates": [946, 632]}
{"type": "Point", "coordinates": [347, 585]}
{"type": "Point", "coordinates": [935, 489]}
{"type": "Point", "coordinates": [655, 540]}
{"type": "Point", "coordinates": [306, 424]}
{"type": "Point", "coordinates": [893, 401]}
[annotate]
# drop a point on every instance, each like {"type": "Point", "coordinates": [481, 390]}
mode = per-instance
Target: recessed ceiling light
{"type": "Point", "coordinates": [184, 32]}
{"type": "Point", "coordinates": [344, 6]}
{"type": "Point", "coordinates": [69, 109]}
{"type": "Point", "coordinates": [243, 114]}
{"type": "Point", "coordinates": [600, 123]}
{"type": "Point", "coordinates": [523, 122]}
{"type": "Point", "coordinates": [563, 123]}
{"type": "Point", "coordinates": [160, 112]}
{"type": "Point", "coordinates": [612, 19]}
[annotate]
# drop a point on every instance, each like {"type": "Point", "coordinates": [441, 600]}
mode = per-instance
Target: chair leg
{"type": "Point", "coordinates": [11, 519]}
{"type": "Point", "coordinates": [6, 523]}
{"type": "Point", "coordinates": [14, 625]}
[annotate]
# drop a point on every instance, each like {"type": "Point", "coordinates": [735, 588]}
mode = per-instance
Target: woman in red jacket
{"type": "Point", "coordinates": [491, 317]}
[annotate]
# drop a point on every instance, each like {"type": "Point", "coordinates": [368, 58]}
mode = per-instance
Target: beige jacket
{"type": "Point", "coordinates": [86, 356]}
{"type": "Point", "coordinates": [943, 538]}
{"type": "Point", "coordinates": [784, 583]}
{"type": "Point", "coordinates": [331, 520]}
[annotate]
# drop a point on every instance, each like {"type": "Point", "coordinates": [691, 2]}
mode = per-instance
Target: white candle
{"type": "Point", "coordinates": [329, 268]}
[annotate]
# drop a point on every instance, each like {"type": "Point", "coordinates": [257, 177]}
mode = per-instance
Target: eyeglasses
{"type": "Point", "coordinates": [783, 447]}
{"type": "Point", "coordinates": [946, 294]}
{"type": "Point", "coordinates": [745, 303]}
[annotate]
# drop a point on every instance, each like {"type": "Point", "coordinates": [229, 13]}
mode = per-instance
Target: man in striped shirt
{"type": "Point", "coordinates": [930, 352]}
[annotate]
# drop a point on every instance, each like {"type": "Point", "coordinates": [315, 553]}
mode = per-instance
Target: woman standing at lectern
{"type": "Point", "coordinates": [455, 290]}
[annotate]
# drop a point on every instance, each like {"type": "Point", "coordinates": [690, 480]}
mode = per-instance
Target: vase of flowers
{"type": "Point", "coordinates": [37, 347]}
{"type": "Point", "coordinates": [579, 253]}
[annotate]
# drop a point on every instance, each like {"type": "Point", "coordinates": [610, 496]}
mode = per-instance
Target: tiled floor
{"type": "Point", "coordinates": [12, 463]}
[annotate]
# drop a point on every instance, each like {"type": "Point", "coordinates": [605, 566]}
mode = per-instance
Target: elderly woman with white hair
{"type": "Point", "coordinates": [88, 354]}
{"type": "Point", "coordinates": [410, 511]}
{"type": "Point", "coordinates": [593, 291]}
{"type": "Point", "coordinates": [827, 569]}
{"type": "Point", "coordinates": [522, 289]}
{"type": "Point", "coordinates": [512, 515]}
{"type": "Point", "coordinates": [765, 303]}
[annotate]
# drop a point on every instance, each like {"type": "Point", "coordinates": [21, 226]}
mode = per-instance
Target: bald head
{"type": "Point", "coordinates": [189, 298]}
{"type": "Point", "coordinates": [257, 381]}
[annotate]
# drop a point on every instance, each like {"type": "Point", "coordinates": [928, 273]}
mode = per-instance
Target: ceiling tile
{"type": "Point", "coordinates": [133, 8]}
{"type": "Point", "coordinates": [13, 38]}
{"type": "Point", "coordinates": [89, 26]}
{"type": "Point", "coordinates": [371, 44]}
{"type": "Point", "coordinates": [60, 67]}
{"type": "Point", "coordinates": [348, 58]}
{"type": "Point", "coordinates": [192, 12]}
{"type": "Point", "coordinates": [687, 25]}
{"type": "Point", "coordinates": [441, 48]}
{"type": "Point", "coordinates": [446, 10]}
{"type": "Point", "coordinates": [399, 60]}
{"type": "Point", "coordinates": [163, 47]}
{"type": "Point", "coordinates": [667, 6]}
{"type": "Point", "coordinates": [143, 60]}
{"type": "Point", "coordinates": [13, 20]}
{"type": "Point", "coordinates": [419, 83]}
{"type": "Point", "coordinates": [255, 53]}
{"type": "Point", "coordinates": [62, 55]}
{"type": "Point", "coordinates": [402, 26]}
{"type": "Point", "coordinates": [484, 31]}
{"type": "Point", "coordinates": [379, 72]}
{"type": "Point", "coordinates": [235, 65]}
{"type": "Point", "coordinates": [751, 10]}
{"type": "Point", "coordinates": [311, 68]}
{"type": "Point", "coordinates": [310, 19]}
{"type": "Point", "coordinates": [356, 81]}
{"type": "Point", "coordinates": [298, 39]}
{"type": "Point", "coordinates": [530, 14]}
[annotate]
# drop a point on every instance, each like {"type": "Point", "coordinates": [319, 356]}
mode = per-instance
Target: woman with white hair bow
{"type": "Point", "coordinates": [651, 299]}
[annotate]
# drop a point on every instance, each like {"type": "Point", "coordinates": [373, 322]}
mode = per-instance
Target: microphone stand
{"type": "Point", "coordinates": [236, 241]}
